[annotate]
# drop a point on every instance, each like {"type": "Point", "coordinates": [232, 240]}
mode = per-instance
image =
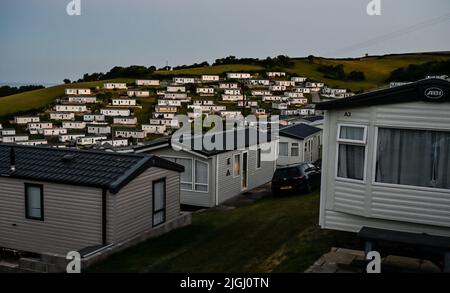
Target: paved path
{"type": "Point", "coordinates": [341, 260]}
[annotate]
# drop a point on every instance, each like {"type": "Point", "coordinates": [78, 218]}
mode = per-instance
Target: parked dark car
{"type": "Point", "coordinates": [295, 178]}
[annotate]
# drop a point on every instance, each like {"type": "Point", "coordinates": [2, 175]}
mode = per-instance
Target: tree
{"type": "Point", "coordinates": [311, 59]}
{"type": "Point", "coordinates": [66, 80]}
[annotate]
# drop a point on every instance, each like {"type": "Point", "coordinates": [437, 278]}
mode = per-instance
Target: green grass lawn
{"type": "Point", "coordinates": [269, 235]}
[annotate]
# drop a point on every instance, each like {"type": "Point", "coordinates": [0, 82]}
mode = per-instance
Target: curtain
{"type": "Point", "coordinates": [351, 161]}
{"type": "Point", "coordinates": [201, 176]}
{"type": "Point", "coordinates": [413, 157]}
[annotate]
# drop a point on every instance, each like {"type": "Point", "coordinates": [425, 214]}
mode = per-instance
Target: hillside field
{"type": "Point", "coordinates": [376, 69]}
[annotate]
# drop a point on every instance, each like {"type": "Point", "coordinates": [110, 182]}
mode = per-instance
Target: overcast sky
{"type": "Point", "coordinates": [41, 43]}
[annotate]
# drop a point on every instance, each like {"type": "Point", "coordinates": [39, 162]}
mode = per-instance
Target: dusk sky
{"type": "Point", "coordinates": [42, 44]}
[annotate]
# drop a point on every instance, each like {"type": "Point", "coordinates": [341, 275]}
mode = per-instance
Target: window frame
{"type": "Point", "coordinates": [294, 147]}
{"type": "Point", "coordinates": [164, 209]}
{"type": "Point", "coordinates": [41, 187]}
{"type": "Point", "coordinates": [352, 141]}
{"type": "Point", "coordinates": [234, 162]}
{"type": "Point", "coordinates": [279, 149]}
{"type": "Point", "coordinates": [401, 186]}
{"type": "Point", "coordinates": [361, 143]}
{"type": "Point", "coordinates": [258, 158]}
{"type": "Point", "coordinates": [192, 171]}
{"type": "Point", "coordinates": [207, 177]}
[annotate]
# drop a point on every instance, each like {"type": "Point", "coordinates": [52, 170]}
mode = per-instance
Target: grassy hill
{"type": "Point", "coordinates": [376, 69]}
{"type": "Point", "coordinates": [40, 98]}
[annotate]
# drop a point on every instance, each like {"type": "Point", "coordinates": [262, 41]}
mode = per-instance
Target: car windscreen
{"type": "Point", "coordinates": [286, 173]}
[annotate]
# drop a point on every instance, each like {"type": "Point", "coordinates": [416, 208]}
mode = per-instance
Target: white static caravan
{"type": "Point", "coordinates": [138, 93]}
{"type": "Point", "coordinates": [261, 93]}
{"type": "Point", "coordinates": [166, 109]}
{"type": "Point", "coordinates": [279, 106]}
{"type": "Point", "coordinates": [115, 112]}
{"type": "Point", "coordinates": [176, 89]}
{"type": "Point", "coordinates": [212, 177]}
{"type": "Point", "coordinates": [98, 129]}
{"type": "Point", "coordinates": [238, 75]}
{"type": "Point", "coordinates": [8, 131]}
{"type": "Point", "coordinates": [210, 78]}
{"type": "Point", "coordinates": [124, 102]}
{"type": "Point", "coordinates": [115, 85]}
{"type": "Point", "coordinates": [74, 124]}
{"type": "Point", "coordinates": [62, 116]}
{"type": "Point", "coordinates": [232, 98]}
{"type": "Point", "coordinates": [205, 90]}
{"type": "Point", "coordinates": [299, 143]}
{"type": "Point", "coordinates": [183, 80]}
{"type": "Point", "coordinates": [22, 120]}
{"type": "Point", "coordinates": [82, 99]}
{"type": "Point", "coordinates": [228, 85]}
{"type": "Point", "coordinates": [172, 123]}
{"type": "Point", "coordinates": [125, 120]}
{"type": "Point", "coordinates": [234, 91]}
{"type": "Point", "coordinates": [276, 73]}
{"type": "Point", "coordinates": [14, 138]}
{"type": "Point", "coordinates": [39, 125]}
{"type": "Point", "coordinates": [54, 131]}
{"type": "Point", "coordinates": [298, 79]}
{"type": "Point", "coordinates": [72, 91]}
{"type": "Point", "coordinates": [154, 128]}
{"type": "Point", "coordinates": [70, 137]}
{"type": "Point", "coordinates": [71, 108]}
{"type": "Point", "coordinates": [147, 82]}
{"type": "Point", "coordinates": [114, 142]}
{"type": "Point", "coordinates": [93, 117]}
{"type": "Point", "coordinates": [386, 160]}
{"type": "Point", "coordinates": [174, 103]}
{"type": "Point", "coordinates": [259, 82]}
{"type": "Point", "coordinates": [34, 142]}
{"type": "Point", "coordinates": [176, 96]}
{"type": "Point", "coordinates": [130, 133]}
{"type": "Point", "coordinates": [90, 140]}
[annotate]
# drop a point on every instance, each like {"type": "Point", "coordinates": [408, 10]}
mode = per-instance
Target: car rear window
{"type": "Point", "coordinates": [286, 173]}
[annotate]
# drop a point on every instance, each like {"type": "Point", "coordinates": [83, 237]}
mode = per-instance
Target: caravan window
{"type": "Point", "coordinates": [413, 157]}
{"type": "Point", "coordinates": [201, 176]}
{"type": "Point", "coordinates": [351, 151]}
{"type": "Point", "coordinates": [159, 202]}
{"type": "Point", "coordinates": [186, 176]}
{"type": "Point", "coordinates": [34, 201]}
{"type": "Point", "coordinates": [284, 148]}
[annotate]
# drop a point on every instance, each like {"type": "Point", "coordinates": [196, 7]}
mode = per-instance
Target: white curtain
{"type": "Point", "coordinates": [413, 157]}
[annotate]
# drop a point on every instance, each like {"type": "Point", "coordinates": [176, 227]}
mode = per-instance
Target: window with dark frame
{"type": "Point", "coordinates": [34, 201]}
{"type": "Point", "coordinates": [258, 158]}
{"type": "Point", "coordinates": [159, 202]}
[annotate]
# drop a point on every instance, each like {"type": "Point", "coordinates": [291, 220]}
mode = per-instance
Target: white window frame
{"type": "Point", "coordinates": [352, 141]}
{"type": "Point", "coordinates": [296, 147]}
{"type": "Point", "coordinates": [192, 172]}
{"type": "Point", "coordinates": [400, 186]}
{"type": "Point", "coordinates": [240, 167]}
{"type": "Point", "coordinates": [363, 143]}
{"type": "Point", "coordinates": [207, 177]}
{"type": "Point", "coordinates": [279, 148]}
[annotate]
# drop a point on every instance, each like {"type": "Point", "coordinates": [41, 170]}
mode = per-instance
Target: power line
{"type": "Point", "coordinates": [392, 35]}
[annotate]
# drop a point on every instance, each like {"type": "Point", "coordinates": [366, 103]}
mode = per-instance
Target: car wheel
{"type": "Point", "coordinates": [308, 188]}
